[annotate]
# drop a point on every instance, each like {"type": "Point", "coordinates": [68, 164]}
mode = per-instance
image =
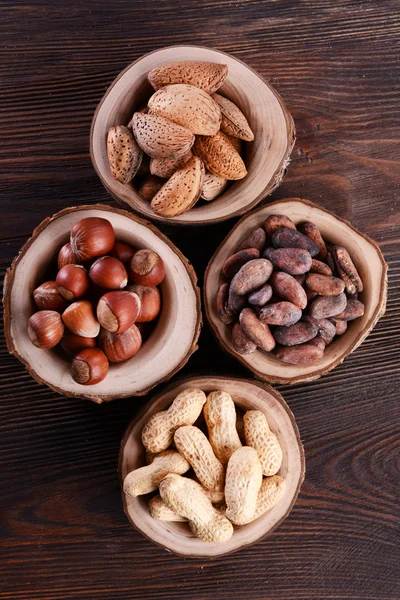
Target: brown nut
{"type": "Point", "coordinates": [241, 341]}
{"type": "Point", "coordinates": [234, 263]}
{"type": "Point", "coordinates": [280, 313]}
{"type": "Point", "coordinates": [67, 256]}
{"type": "Point", "coordinates": [117, 311]}
{"type": "Point", "coordinates": [251, 276]}
{"type": "Point", "coordinates": [257, 331]}
{"type": "Point", "coordinates": [123, 252]}
{"type": "Point", "coordinates": [268, 252]}
{"type": "Point", "coordinates": [300, 278]}
{"type": "Point", "coordinates": [79, 318]}
{"type": "Point", "coordinates": [303, 354]}
{"type": "Point", "coordinates": [72, 343]}
{"type": "Point", "coordinates": [353, 310]}
{"type": "Point", "coordinates": [347, 270]}
{"type": "Point", "coordinates": [120, 346]}
{"type": "Point", "coordinates": [276, 222]}
{"type": "Point", "coordinates": [109, 273]}
{"type": "Point", "coordinates": [317, 341]}
{"type": "Point", "coordinates": [92, 237]}
{"type": "Point", "coordinates": [72, 282]}
{"type": "Point", "coordinates": [149, 187]}
{"type": "Point", "coordinates": [288, 288]}
{"type": "Point", "coordinates": [325, 328]}
{"type": "Point", "coordinates": [45, 329]}
{"type": "Point", "coordinates": [324, 307]}
{"type": "Point", "coordinates": [150, 302]}
{"type": "Point", "coordinates": [341, 326]}
{"type": "Point", "coordinates": [89, 366]}
{"type": "Point", "coordinates": [261, 296]}
{"type": "Point", "coordinates": [147, 268]}
{"type": "Point", "coordinates": [318, 266]}
{"type": "Point", "coordinates": [310, 295]}
{"type": "Point", "coordinates": [294, 261]}
{"type": "Point", "coordinates": [311, 231]}
{"type": "Point", "coordinates": [324, 285]}
{"type": "Point", "coordinates": [299, 333]}
{"type": "Point", "coordinates": [290, 238]}
{"type": "Point", "coordinates": [222, 304]}
{"type": "Point", "coordinates": [330, 261]}
{"type": "Point", "coordinates": [235, 302]}
{"type": "Point", "coordinates": [47, 297]}
{"type": "Point", "coordinates": [256, 238]}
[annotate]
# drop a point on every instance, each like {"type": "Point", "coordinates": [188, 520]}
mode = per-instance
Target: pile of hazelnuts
{"type": "Point", "coordinates": [98, 307]}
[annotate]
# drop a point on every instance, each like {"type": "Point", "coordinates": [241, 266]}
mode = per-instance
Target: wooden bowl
{"type": "Point", "coordinates": [247, 395]}
{"type": "Point", "coordinates": [366, 256]}
{"type": "Point", "coordinates": [167, 349]}
{"type": "Point", "coordinates": [267, 157]}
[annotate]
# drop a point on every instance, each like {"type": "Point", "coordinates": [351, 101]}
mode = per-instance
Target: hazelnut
{"type": "Point", "coordinates": [123, 252]}
{"type": "Point", "coordinates": [117, 311]}
{"type": "Point", "coordinates": [150, 302]}
{"type": "Point", "coordinates": [92, 237]}
{"type": "Point", "coordinates": [120, 346]}
{"type": "Point", "coordinates": [89, 366]}
{"type": "Point", "coordinates": [72, 282]}
{"type": "Point", "coordinates": [67, 256]}
{"type": "Point", "coordinates": [79, 318]}
{"type": "Point", "coordinates": [47, 297]}
{"type": "Point", "coordinates": [72, 343]}
{"type": "Point", "coordinates": [109, 273]}
{"type": "Point", "coordinates": [45, 329]}
{"type": "Point", "coordinates": [146, 268]}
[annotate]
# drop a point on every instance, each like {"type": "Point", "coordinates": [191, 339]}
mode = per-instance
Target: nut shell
{"type": "Point", "coordinates": [124, 155]}
{"type": "Point", "coordinates": [219, 156]}
{"type": "Point", "coordinates": [89, 366]}
{"type": "Point", "coordinates": [208, 76]}
{"type": "Point", "coordinates": [72, 282]}
{"type": "Point", "coordinates": [92, 237]}
{"type": "Point", "coordinates": [47, 297]}
{"type": "Point", "coordinates": [147, 268]}
{"type": "Point", "coordinates": [159, 137]}
{"type": "Point", "coordinates": [79, 318]}
{"type": "Point", "coordinates": [109, 273]}
{"type": "Point", "coordinates": [119, 347]}
{"type": "Point", "coordinates": [117, 311]}
{"type": "Point", "coordinates": [233, 122]}
{"type": "Point", "coordinates": [45, 329]}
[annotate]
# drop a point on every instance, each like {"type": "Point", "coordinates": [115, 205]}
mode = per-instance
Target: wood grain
{"type": "Point", "coordinates": [336, 65]}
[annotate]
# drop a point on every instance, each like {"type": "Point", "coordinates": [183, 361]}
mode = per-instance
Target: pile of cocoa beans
{"type": "Point", "coordinates": [288, 291]}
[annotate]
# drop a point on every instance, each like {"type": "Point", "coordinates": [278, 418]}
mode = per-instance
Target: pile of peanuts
{"type": "Point", "coordinates": [288, 291]}
{"type": "Point", "coordinates": [226, 483]}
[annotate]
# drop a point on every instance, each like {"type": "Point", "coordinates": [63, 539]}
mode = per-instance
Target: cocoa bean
{"type": "Point", "coordinates": [261, 296]}
{"type": "Point", "coordinates": [286, 286]}
{"type": "Point", "coordinates": [318, 341]}
{"type": "Point", "coordinates": [330, 261]}
{"type": "Point", "coordinates": [280, 313]}
{"type": "Point", "coordinates": [256, 238]}
{"type": "Point", "coordinates": [311, 231]}
{"type": "Point", "coordinates": [289, 238]}
{"type": "Point", "coordinates": [325, 328]}
{"type": "Point", "coordinates": [235, 302]}
{"type": "Point", "coordinates": [310, 295]}
{"type": "Point", "coordinates": [341, 326]}
{"type": "Point", "coordinates": [303, 354]}
{"type": "Point", "coordinates": [347, 270]}
{"type": "Point", "coordinates": [294, 261]}
{"type": "Point", "coordinates": [251, 276]}
{"type": "Point", "coordinates": [275, 222]}
{"type": "Point", "coordinates": [353, 310]}
{"type": "Point", "coordinates": [328, 306]}
{"type": "Point", "coordinates": [299, 333]}
{"type": "Point", "coordinates": [241, 342]}
{"type": "Point", "coordinates": [300, 278]}
{"type": "Point", "coordinates": [257, 331]}
{"type": "Point", "coordinates": [324, 285]}
{"type": "Point", "coordinates": [222, 304]}
{"type": "Point", "coordinates": [318, 266]}
{"type": "Point", "coordinates": [234, 263]}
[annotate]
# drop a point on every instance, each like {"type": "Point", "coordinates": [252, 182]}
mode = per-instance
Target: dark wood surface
{"type": "Point", "coordinates": [336, 64]}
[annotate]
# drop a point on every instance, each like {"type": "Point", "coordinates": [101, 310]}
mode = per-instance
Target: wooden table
{"type": "Point", "coordinates": [336, 64]}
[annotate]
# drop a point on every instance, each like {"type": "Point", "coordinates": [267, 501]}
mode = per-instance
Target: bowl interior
{"type": "Point", "coordinates": [366, 256]}
{"type": "Point", "coordinates": [247, 395]}
{"type": "Point", "coordinates": [266, 158]}
{"type": "Point", "coordinates": [162, 353]}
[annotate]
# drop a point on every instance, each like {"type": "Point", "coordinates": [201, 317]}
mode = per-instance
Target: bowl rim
{"type": "Point", "coordinates": [378, 313]}
{"type": "Point", "coordinates": [186, 380]}
{"type": "Point", "coordinates": [9, 281]}
{"type": "Point", "coordinates": [273, 183]}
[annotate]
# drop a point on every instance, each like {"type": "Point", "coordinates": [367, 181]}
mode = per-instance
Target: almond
{"type": "Point", "coordinates": [166, 167]}
{"type": "Point", "coordinates": [204, 75]}
{"type": "Point", "coordinates": [233, 122]}
{"type": "Point", "coordinates": [181, 191]}
{"type": "Point", "coordinates": [213, 186]}
{"type": "Point", "coordinates": [237, 143]}
{"type": "Point", "coordinates": [160, 138]}
{"type": "Point", "coordinates": [149, 187]}
{"type": "Point", "coordinates": [219, 156]}
{"type": "Point", "coordinates": [188, 106]}
{"type": "Point", "coordinates": [124, 155]}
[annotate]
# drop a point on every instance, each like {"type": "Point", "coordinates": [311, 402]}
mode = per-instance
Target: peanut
{"type": "Point", "coordinates": [271, 492]}
{"type": "Point", "coordinates": [187, 498]}
{"type": "Point", "coordinates": [146, 479]}
{"type": "Point", "coordinates": [289, 238]}
{"type": "Point", "coordinates": [220, 416]}
{"type": "Point", "coordinates": [280, 313]}
{"type": "Point", "coordinates": [303, 354]}
{"type": "Point", "coordinates": [311, 231]}
{"type": "Point", "coordinates": [288, 288]}
{"type": "Point", "coordinates": [195, 447]}
{"type": "Point", "coordinates": [294, 261]}
{"type": "Point", "coordinates": [257, 331]}
{"type": "Point", "coordinates": [235, 262]}
{"type": "Point", "coordinates": [328, 306]}
{"type": "Point", "coordinates": [251, 276]}
{"type": "Point", "coordinates": [160, 511]}
{"type": "Point", "coordinates": [324, 285]}
{"type": "Point", "coordinates": [265, 443]}
{"type": "Point", "coordinates": [256, 238]}
{"type": "Point", "coordinates": [276, 222]}
{"type": "Point", "coordinates": [241, 341]}
{"type": "Point", "coordinates": [295, 334]}
{"type": "Point", "coordinates": [215, 496]}
{"type": "Point", "coordinates": [261, 296]}
{"type": "Point", "coordinates": [222, 304]}
{"type": "Point", "coordinates": [243, 482]}
{"type": "Point", "coordinates": [158, 432]}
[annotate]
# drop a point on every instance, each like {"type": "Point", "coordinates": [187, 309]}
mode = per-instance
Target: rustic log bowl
{"type": "Point", "coordinates": [247, 395]}
{"type": "Point", "coordinates": [366, 256]}
{"type": "Point", "coordinates": [167, 349]}
{"type": "Point", "coordinates": [266, 158]}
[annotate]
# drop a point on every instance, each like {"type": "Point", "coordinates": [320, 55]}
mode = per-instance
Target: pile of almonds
{"type": "Point", "coordinates": [288, 291]}
{"type": "Point", "coordinates": [231, 463]}
{"type": "Point", "coordinates": [187, 134]}
{"type": "Point", "coordinates": [90, 303]}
